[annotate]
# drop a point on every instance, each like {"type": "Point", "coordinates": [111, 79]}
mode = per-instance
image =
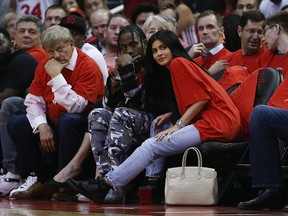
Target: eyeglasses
{"type": "Point", "coordinates": [267, 28]}
{"type": "Point", "coordinates": [253, 31]}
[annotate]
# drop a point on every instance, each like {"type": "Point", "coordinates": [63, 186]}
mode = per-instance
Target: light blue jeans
{"type": "Point", "coordinates": [156, 168]}
{"type": "Point", "coordinates": [150, 150]}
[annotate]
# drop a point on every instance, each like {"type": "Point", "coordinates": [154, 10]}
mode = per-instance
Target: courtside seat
{"type": "Point", "coordinates": [229, 158]}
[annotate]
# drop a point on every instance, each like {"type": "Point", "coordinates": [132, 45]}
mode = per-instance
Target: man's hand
{"type": "Point", "coordinates": [218, 66]}
{"type": "Point", "coordinates": [125, 59]}
{"type": "Point", "coordinates": [54, 68]}
{"type": "Point", "coordinates": [47, 137]}
{"type": "Point", "coordinates": [196, 50]}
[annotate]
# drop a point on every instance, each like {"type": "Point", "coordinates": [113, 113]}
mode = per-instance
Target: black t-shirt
{"type": "Point", "coordinates": [19, 73]}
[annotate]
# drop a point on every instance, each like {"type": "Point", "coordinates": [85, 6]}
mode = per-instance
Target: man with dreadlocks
{"type": "Point", "coordinates": [123, 122]}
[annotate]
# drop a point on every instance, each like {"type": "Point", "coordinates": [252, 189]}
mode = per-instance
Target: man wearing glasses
{"type": "Point", "coordinates": [267, 124]}
{"type": "Point", "coordinates": [250, 32]}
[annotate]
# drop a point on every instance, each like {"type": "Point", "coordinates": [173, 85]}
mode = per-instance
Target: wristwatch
{"type": "Point", "coordinates": [180, 123]}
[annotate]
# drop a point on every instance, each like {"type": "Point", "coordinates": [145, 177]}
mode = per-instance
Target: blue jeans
{"type": "Point", "coordinates": [266, 125]}
{"type": "Point", "coordinates": [156, 168]}
{"type": "Point", "coordinates": [10, 106]}
{"type": "Point", "coordinates": [151, 150]}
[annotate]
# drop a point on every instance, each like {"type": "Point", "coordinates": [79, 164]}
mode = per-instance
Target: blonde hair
{"type": "Point", "coordinates": [8, 17]}
{"type": "Point", "coordinates": [159, 19]}
{"type": "Point", "coordinates": [55, 35]}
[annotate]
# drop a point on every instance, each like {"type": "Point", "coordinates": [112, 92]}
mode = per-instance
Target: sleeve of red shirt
{"type": "Point", "coordinates": [187, 85]}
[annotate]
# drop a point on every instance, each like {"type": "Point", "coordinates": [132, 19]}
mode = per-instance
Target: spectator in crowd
{"type": "Point", "coordinates": [154, 24]}
{"type": "Point", "coordinates": [267, 126]}
{"type": "Point", "coordinates": [232, 21]}
{"type": "Point", "coordinates": [251, 33]}
{"type": "Point", "coordinates": [56, 107]}
{"type": "Point", "coordinates": [20, 70]}
{"type": "Point", "coordinates": [211, 48]}
{"type": "Point", "coordinates": [142, 12]}
{"type": "Point", "coordinates": [159, 22]}
{"type": "Point", "coordinates": [20, 73]}
{"type": "Point", "coordinates": [92, 5]}
{"type": "Point", "coordinates": [69, 4]}
{"type": "Point", "coordinates": [53, 15]}
{"type": "Point", "coordinates": [186, 22]}
{"type": "Point", "coordinates": [99, 21]}
{"type": "Point", "coordinates": [77, 28]}
{"type": "Point", "coordinates": [115, 24]}
{"type": "Point", "coordinates": [165, 54]}
{"type": "Point", "coordinates": [27, 38]}
{"type": "Point", "coordinates": [9, 23]}
{"type": "Point", "coordinates": [169, 9]}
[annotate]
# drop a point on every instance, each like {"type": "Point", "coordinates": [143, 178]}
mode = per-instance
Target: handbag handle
{"type": "Point", "coordinates": [199, 157]}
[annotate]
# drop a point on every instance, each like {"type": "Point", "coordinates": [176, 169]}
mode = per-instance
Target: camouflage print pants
{"type": "Point", "coordinates": [116, 134]}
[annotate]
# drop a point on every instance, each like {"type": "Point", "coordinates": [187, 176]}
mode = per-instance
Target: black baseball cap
{"type": "Point", "coordinates": [74, 22]}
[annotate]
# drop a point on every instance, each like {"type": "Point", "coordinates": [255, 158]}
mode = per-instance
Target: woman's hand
{"type": "Point", "coordinates": [167, 132]}
{"type": "Point", "coordinates": [161, 120]}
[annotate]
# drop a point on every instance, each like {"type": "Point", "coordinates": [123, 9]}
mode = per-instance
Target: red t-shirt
{"type": "Point", "coordinates": [206, 62]}
{"type": "Point", "coordinates": [220, 119]}
{"type": "Point", "coordinates": [276, 61]}
{"type": "Point", "coordinates": [232, 76]}
{"type": "Point", "coordinates": [252, 62]}
{"type": "Point", "coordinates": [280, 96]}
{"type": "Point", "coordinates": [86, 80]}
{"type": "Point", "coordinates": [244, 97]}
{"type": "Point", "coordinates": [38, 53]}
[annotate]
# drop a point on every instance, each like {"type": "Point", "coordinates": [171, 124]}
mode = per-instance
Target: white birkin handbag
{"type": "Point", "coordinates": [191, 185]}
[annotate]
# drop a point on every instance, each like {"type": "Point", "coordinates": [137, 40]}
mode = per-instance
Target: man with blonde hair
{"type": "Point", "coordinates": [65, 87]}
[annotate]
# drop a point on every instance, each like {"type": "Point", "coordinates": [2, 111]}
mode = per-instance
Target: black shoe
{"type": "Point", "coordinates": [94, 189]}
{"type": "Point", "coordinates": [56, 184]}
{"type": "Point", "coordinates": [271, 198]}
{"type": "Point", "coordinates": [115, 197]}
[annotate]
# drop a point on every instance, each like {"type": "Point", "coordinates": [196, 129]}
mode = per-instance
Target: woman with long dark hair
{"type": "Point", "coordinates": [204, 108]}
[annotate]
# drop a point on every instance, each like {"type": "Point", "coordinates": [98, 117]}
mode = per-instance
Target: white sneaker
{"type": "Point", "coordinates": [82, 198]}
{"type": "Point", "coordinates": [24, 188]}
{"type": "Point", "coordinates": [8, 182]}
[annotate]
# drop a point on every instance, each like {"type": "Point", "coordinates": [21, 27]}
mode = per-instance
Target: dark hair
{"type": "Point", "coordinates": [132, 29]}
{"type": "Point", "coordinates": [210, 12]}
{"type": "Point", "coordinates": [33, 19]}
{"type": "Point", "coordinates": [143, 8]}
{"type": "Point", "coordinates": [158, 83]}
{"type": "Point", "coordinates": [252, 16]}
{"type": "Point", "coordinates": [279, 18]}
{"type": "Point", "coordinates": [171, 40]}
{"type": "Point", "coordinates": [53, 7]}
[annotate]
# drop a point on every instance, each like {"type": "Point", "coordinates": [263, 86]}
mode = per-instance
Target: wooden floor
{"type": "Point", "coordinates": [39, 207]}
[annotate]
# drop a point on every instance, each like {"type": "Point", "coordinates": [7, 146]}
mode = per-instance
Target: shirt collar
{"type": "Point", "coordinates": [72, 62]}
{"type": "Point", "coordinates": [216, 49]}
